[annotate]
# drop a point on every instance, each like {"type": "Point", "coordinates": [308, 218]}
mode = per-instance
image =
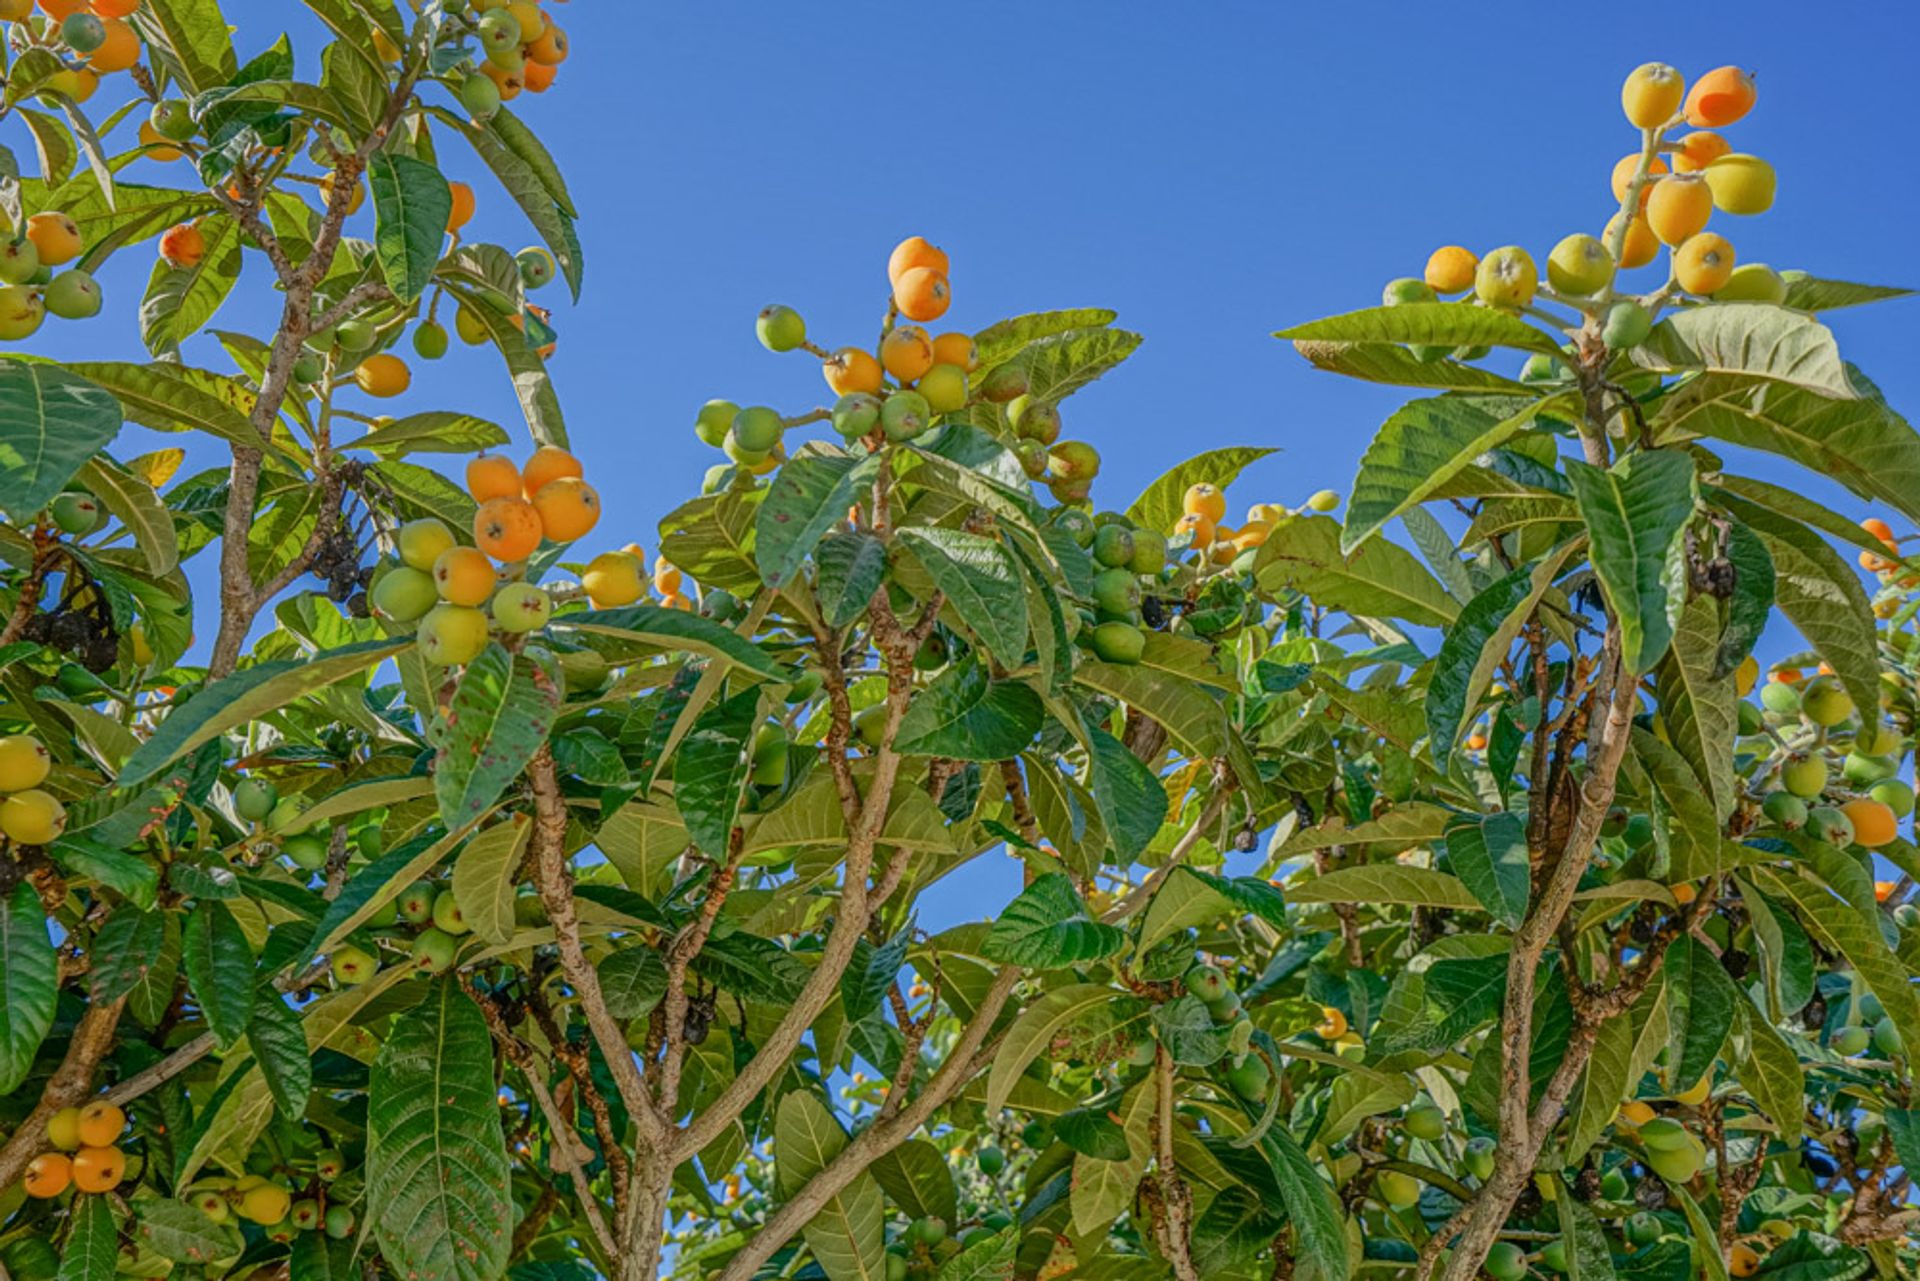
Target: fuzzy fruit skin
{"type": "Point", "coordinates": [421, 541]}
{"type": "Point", "coordinates": [1116, 591]}
{"type": "Point", "coordinates": [1753, 282]}
{"type": "Point", "coordinates": [404, 594]}
{"type": "Point", "coordinates": [851, 369]}
{"type": "Point", "coordinates": [306, 850]}
{"type": "Point", "coordinates": [1119, 643]}
{"type": "Point", "coordinates": [452, 635]}
{"type": "Point", "coordinates": [1785, 809]}
{"type": "Point", "coordinates": [1639, 246]}
{"type": "Point", "coordinates": [433, 951]}
{"type": "Point", "coordinates": [1398, 1190]}
{"type": "Point", "coordinates": [351, 966]}
{"type": "Point", "coordinates": [24, 762]}
{"type": "Point", "coordinates": [1824, 702]}
{"type": "Point", "coordinates": [492, 476]}
{"type": "Point", "coordinates": [100, 1124]}
{"type": "Point", "coordinates": [905, 415]}
{"type": "Point", "coordinates": [507, 529]}
{"type": "Point", "coordinates": [906, 353]}
{"type": "Point", "coordinates": [1112, 545]}
{"type": "Point", "coordinates": [1804, 776]}
{"type": "Point", "coordinates": [1033, 419]}
{"type": "Point", "coordinates": [1506, 278]}
{"type": "Point", "coordinates": [383, 375]}
{"type": "Point", "coordinates": [56, 237]}
{"type": "Point", "coordinates": [48, 1175]}
{"type": "Point", "coordinates": [447, 916]}
{"type": "Point", "coordinates": [780, 328]}
{"type": "Point", "coordinates": [339, 1222]}
{"type": "Point", "coordinates": [463, 576]}
{"type": "Point", "coordinates": [98, 1169]}
{"type": "Point", "coordinates": [1851, 1041]}
{"type": "Point", "coordinates": [1579, 265]}
{"type": "Point", "coordinates": [1679, 208]}
{"type": "Point", "coordinates": [1824, 823]}
{"type": "Point", "coordinates": [1627, 325]}
{"type": "Point", "coordinates": [922, 294]}
{"type": "Point", "coordinates": [32, 817]}
{"type": "Point", "coordinates": [416, 903]}
{"type": "Point", "coordinates": [613, 579]}
{"type": "Point", "coordinates": [1895, 794]}
{"type": "Point", "coordinates": [945, 387]}
{"type": "Point", "coordinates": [1207, 983]}
{"type": "Point", "coordinates": [1704, 263]}
{"type": "Point", "coordinates": [713, 420]}
{"type": "Point", "coordinates": [21, 312]}
{"type": "Point", "coordinates": [63, 1129]}
{"type": "Point", "coordinates": [19, 261]}
{"type": "Point", "coordinates": [1741, 184]}
{"type": "Point", "coordinates": [1651, 95]}
{"type": "Point", "coordinates": [1425, 1121]}
{"type": "Point", "coordinates": [73, 295]}
{"type": "Point", "coordinates": [1251, 1078]}
{"type": "Point", "coordinates": [1450, 269]}
{"type": "Point", "coordinates": [521, 607]}
{"type": "Point", "coordinates": [1479, 1157]}
{"type": "Point", "coordinates": [1506, 1261]}
{"type": "Point", "coordinates": [855, 414]}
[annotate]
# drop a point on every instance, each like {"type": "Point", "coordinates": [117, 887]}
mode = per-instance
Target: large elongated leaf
{"type": "Point", "coordinates": [1048, 927]}
{"type": "Point", "coordinates": [124, 950]}
{"type": "Point", "coordinates": [501, 714]}
{"type": "Point", "coordinates": [1102, 1190]}
{"type": "Point", "coordinates": [1381, 363]}
{"type": "Point", "coordinates": [92, 1248]}
{"type": "Point", "coordinates": [219, 966]}
{"type": "Point", "coordinates": [1757, 340]}
{"type": "Point", "coordinates": [1635, 513]}
{"type": "Point", "coordinates": [807, 498]}
{"type": "Point", "coordinates": [1821, 596]}
{"type": "Point", "coordinates": [1423, 445]}
{"type": "Point", "coordinates": [279, 1045]}
{"type": "Point", "coordinates": [848, 1235]}
{"type": "Point", "coordinates": [1131, 798]}
{"type": "Point", "coordinates": [1490, 858]}
{"type": "Point", "coordinates": [1835, 925]}
{"type": "Point", "coordinates": [436, 1156]}
{"type": "Point", "coordinates": [915, 1177]}
{"type": "Point", "coordinates": [181, 300]}
{"type": "Point", "coordinates": [1811, 293]}
{"type": "Point", "coordinates": [981, 582]}
{"type": "Point", "coordinates": [967, 716]}
{"type": "Point", "coordinates": [1056, 1014]}
{"type": "Point", "coordinates": [248, 695]}
{"type": "Point", "coordinates": [1699, 710]}
{"type": "Point", "coordinates": [1863, 443]}
{"type": "Point", "coordinates": [51, 422]}
{"type": "Point", "coordinates": [1159, 505]}
{"type": "Point", "coordinates": [192, 34]}
{"type": "Point", "coordinates": [1380, 579]}
{"type": "Point", "coordinates": [1770, 1071]}
{"type": "Point", "coordinates": [1476, 644]}
{"type": "Point", "coordinates": [675, 630]}
{"type": "Point", "coordinates": [180, 1232]}
{"type": "Point", "coordinates": [411, 203]}
{"type": "Point", "coordinates": [710, 768]}
{"type": "Point", "coordinates": [1624, 1049]}
{"type": "Point", "coordinates": [29, 983]}
{"type": "Point", "coordinates": [1701, 1001]}
{"type": "Point", "coordinates": [484, 877]}
{"type": "Point", "coordinates": [1385, 883]}
{"type": "Point", "coordinates": [524, 183]}
{"type": "Point", "coordinates": [1428, 324]}
{"type": "Point", "coordinates": [851, 568]}
{"type": "Point", "coordinates": [134, 503]}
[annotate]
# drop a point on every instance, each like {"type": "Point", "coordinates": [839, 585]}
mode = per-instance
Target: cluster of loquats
{"type": "Point", "coordinates": [522, 49]}
{"type": "Point", "coordinates": [29, 815]}
{"type": "Point", "coordinates": [1667, 191]}
{"type": "Point", "coordinates": [86, 1153]}
{"type": "Point", "coordinates": [453, 591]}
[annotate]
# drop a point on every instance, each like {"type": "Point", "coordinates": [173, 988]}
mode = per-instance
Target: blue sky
{"type": "Point", "coordinates": [1211, 171]}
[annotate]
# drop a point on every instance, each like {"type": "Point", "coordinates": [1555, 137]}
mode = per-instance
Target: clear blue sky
{"type": "Point", "coordinates": [1211, 171]}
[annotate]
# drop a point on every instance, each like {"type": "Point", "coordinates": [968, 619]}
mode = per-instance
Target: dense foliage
{"type": "Point", "coordinates": [472, 912]}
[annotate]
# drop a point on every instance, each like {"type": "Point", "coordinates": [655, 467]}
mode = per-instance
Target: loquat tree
{"type": "Point", "coordinates": [477, 911]}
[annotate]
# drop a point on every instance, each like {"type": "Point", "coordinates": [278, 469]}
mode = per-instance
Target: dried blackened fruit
{"type": "Point", "coordinates": [357, 605]}
{"type": "Point", "coordinates": [1650, 1194]}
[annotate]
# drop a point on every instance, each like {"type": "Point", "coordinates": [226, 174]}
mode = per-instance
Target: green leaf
{"type": "Point", "coordinates": [851, 569]}
{"type": "Point", "coordinates": [162, 397]}
{"type": "Point", "coordinates": [1811, 293]}
{"type": "Point", "coordinates": [1477, 643]}
{"type": "Point", "coordinates": [1432, 1010]}
{"type": "Point", "coordinates": [317, 1256]}
{"type": "Point", "coordinates": [501, 713]}
{"type": "Point", "coordinates": [990, 1258]}
{"type": "Point", "coordinates": [219, 966]}
{"type": "Point", "coordinates": [1057, 365]}
{"type": "Point", "coordinates": [1399, 829]}
{"type": "Point", "coordinates": [433, 432]}
{"type": "Point", "coordinates": [29, 983]}
{"type": "Point", "coordinates": [1056, 1014]}
{"type": "Point", "coordinates": [1821, 596]}
{"type": "Point", "coordinates": [1750, 607]}
{"type": "Point", "coordinates": [532, 385]}
{"type": "Point", "coordinates": [248, 695]}
{"type": "Point", "coordinates": [848, 1235]}
{"type": "Point", "coordinates": [1770, 1071]}
{"type": "Point", "coordinates": [137, 507]}
{"type": "Point", "coordinates": [915, 1178]}
{"type": "Point", "coordinates": [1490, 858]}
{"type": "Point", "coordinates": [181, 300]}
{"type": "Point", "coordinates": [1160, 505]}
{"type": "Point", "coordinates": [436, 1156]}
{"type": "Point", "coordinates": [808, 497]}
{"type": "Point", "coordinates": [710, 769]}
{"type": "Point", "coordinates": [524, 183]}
{"type": "Point", "coordinates": [279, 1045]}
{"type": "Point", "coordinates": [1838, 927]}
{"type": "Point", "coordinates": [1102, 1190]}
{"type": "Point", "coordinates": [674, 630]}
{"type": "Point", "coordinates": [1750, 339]}
{"type": "Point", "coordinates": [1589, 1255]}
{"type": "Point", "coordinates": [1048, 927]}
{"type": "Point", "coordinates": [1623, 1050]}
{"type": "Point", "coordinates": [1194, 718]}
{"type": "Point", "coordinates": [633, 980]}
{"type": "Point", "coordinates": [1190, 897]}
{"type": "Point", "coordinates": [80, 855]}
{"type": "Point", "coordinates": [1380, 579]}
{"type": "Point", "coordinates": [1863, 444]}
{"type": "Point", "coordinates": [1131, 797]}
{"type": "Point", "coordinates": [1385, 883]}
{"type": "Point", "coordinates": [124, 951]}
{"type": "Point", "coordinates": [1380, 363]}
{"type": "Point", "coordinates": [522, 142]}
{"type": "Point", "coordinates": [92, 1248]}
{"type": "Point", "coordinates": [1700, 711]}
{"type": "Point", "coordinates": [411, 202]}
{"type": "Point", "coordinates": [51, 423]}
{"type": "Point", "coordinates": [1424, 444]}
{"type": "Point", "coordinates": [966, 716]}
{"type": "Point", "coordinates": [1701, 1001]}
{"type": "Point", "coordinates": [994, 344]}
{"type": "Point", "coordinates": [1310, 1204]}
{"type": "Point", "coordinates": [981, 582]}
{"type": "Point", "coordinates": [1696, 846]}
{"type": "Point", "coordinates": [864, 983]}
{"type": "Point", "coordinates": [1635, 513]}
{"type": "Point", "coordinates": [486, 875]}
{"type": "Point", "coordinates": [378, 883]}
{"type": "Point", "coordinates": [1426, 324]}
{"type": "Point", "coordinates": [191, 36]}
{"type": "Point", "coordinates": [177, 1231]}
{"type": "Point", "coordinates": [1187, 1030]}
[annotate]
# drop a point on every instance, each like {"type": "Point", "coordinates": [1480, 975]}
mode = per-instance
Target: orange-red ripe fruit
{"type": "Point", "coordinates": [549, 463]}
{"type": "Point", "coordinates": [507, 529]}
{"type": "Point", "coordinates": [493, 476]}
{"type": "Point", "coordinates": [1720, 97]}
